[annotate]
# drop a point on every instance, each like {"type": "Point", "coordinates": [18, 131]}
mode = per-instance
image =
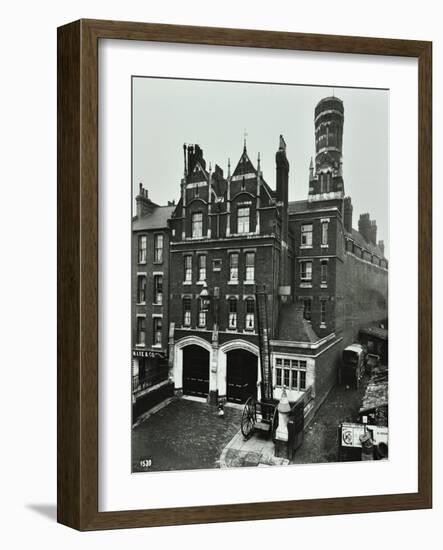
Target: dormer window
{"type": "Point", "coordinates": [197, 224]}
{"type": "Point", "coordinates": [243, 220]}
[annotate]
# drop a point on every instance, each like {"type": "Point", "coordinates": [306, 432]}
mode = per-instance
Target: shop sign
{"type": "Point", "coordinates": [148, 354]}
{"type": "Point", "coordinates": [350, 434]}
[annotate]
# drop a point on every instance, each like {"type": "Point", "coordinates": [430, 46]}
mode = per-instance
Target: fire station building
{"type": "Point", "coordinates": [232, 235]}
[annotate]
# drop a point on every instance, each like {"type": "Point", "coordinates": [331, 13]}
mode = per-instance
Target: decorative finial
{"type": "Point", "coordinates": [229, 167]}
{"type": "Point", "coordinates": [245, 135]}
{"type": "Point", "coordinates": [258, 162]}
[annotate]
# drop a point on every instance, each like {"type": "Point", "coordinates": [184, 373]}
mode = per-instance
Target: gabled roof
{"type": "Point", "coordinates": [199, 173]}
{"type": "Point", "coordinates": [293, 326]}
{"type": "Point", "coordinates": [158, 219]}
{"type": "Point", "coordinates": [244, 165]}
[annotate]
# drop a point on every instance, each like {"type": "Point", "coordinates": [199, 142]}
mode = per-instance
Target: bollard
{"type": "Point", "coordinates": [281, 436]}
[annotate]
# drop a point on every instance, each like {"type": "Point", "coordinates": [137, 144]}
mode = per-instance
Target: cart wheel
{"type": "Point", "coordinates": [274, 424]}
{"type": "Point", "coordinates": [248, 418]}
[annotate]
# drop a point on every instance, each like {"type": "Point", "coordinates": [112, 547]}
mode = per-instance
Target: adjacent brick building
{"type": "Point", "coordinates": [231, 234]}
{"type": "Point", "coordinates": [150, 288]}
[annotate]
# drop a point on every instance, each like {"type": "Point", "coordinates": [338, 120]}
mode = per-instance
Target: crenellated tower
{"type": "Point", "coordinates": [325, 176]}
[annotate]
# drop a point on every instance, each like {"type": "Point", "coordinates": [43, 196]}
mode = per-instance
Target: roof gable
{"type": "Point", "coordinates": [244, 166]}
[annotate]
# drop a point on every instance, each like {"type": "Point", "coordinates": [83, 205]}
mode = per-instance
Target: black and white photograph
{"type": "Point", "coordinates": [260, 269]}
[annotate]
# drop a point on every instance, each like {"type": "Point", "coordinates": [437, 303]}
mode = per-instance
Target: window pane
{"type": "Point", "coordinates": [202, 319]}
{"type": "Point", "coordinates": [233, 263]}
{"type": "Point", "coordinates": [157, 330]}
{"type": "Point", "coordinates": [294, 384]}
{"type": "Point", "coordinates": [306, 234]}
{"type": "Point", "coordinates": [197, 224]}
{"type": "Point", "coordinates": [323, 311]}
{"type": "Point", "coordinates": [141, 289]}
{"type": "Point", "coordinates": [250, 321]}
{"type": "Point", "coordinates": [141, 330]}
{"type": "Point", "coordinates": [243, 220]}
{"type": "Point", "coordinates": [286, 377]}
{"type": "Point", "coordinates": [324, 233]}
{"type": "Point", "coordinates": [324, 272]}
{"type": "Point", "coordinates": [250, 263]}
{"type": "Point", "coordinates": [158, 289]}
{"type": "Point", "coordinates": [187, 312]}
{"type": "Point", "coordinates": [202, 268]}
{"type": "Point", "coordinates": [142, 248]}
{"type": "Point", "coordinates": [158, 248]}
{"type": "Point", "coordinates": [306, 270]}
{"type": "Point", "coordinates": [302, 375]}
{"type": "Point", "coordinates": [278, 376]}
{"type": "Point", "coordinates": [307, 310]}
{"type": "Point", "coordinates": [250, 314]}
{"type": "Point", "coordinates": [188, 268]}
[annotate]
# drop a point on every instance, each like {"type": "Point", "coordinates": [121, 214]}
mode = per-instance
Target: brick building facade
{"type": "Point", "coordinates": [229, 235]}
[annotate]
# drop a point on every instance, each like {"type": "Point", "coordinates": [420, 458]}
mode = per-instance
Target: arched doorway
{"type": "Point", "coordinates": [241, 375]}
{"type": "Point", "coordinates": [195, 371]}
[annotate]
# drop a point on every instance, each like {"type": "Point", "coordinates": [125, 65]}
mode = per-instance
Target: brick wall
{"type": "Point", "coordinates": [265, 251]}
{"type": "Point", "coordinates": [362, 296]}
{"type": "Point", "coordinates": [150, 267]}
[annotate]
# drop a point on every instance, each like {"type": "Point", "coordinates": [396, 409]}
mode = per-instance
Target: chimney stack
{"type": "Point", "coordinates": [347, 214]}
{"type": "Point", "coordinates": [364, 226]}
{"type": "Point", "coordinates": [143, 202]}
{"type": "Point", "coordinates": [373, 233]}
{"type": "Point", "coordinates": [282, 175]}
{"type": "Point", "coordinates": [381, 246]}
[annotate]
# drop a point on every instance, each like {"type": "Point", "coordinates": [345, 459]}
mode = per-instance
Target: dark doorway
{"type": "Point", "coordinates": [195, 371]}
{"type": "Point", "coordinates": [241, 375]}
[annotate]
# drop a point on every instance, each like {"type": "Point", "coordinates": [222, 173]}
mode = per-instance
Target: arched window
{"type": "Point", "coordinates": [250, 314]}
{"type": "Point", "coordinates": [186, 312]}
{"type": "Point", "coordinates": [232, 316]}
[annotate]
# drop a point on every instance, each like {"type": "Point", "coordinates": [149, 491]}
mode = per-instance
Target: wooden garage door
{"type": "Point", "coordinates": [195, 371]}
{"type": "Point", "coordinates": [241, 375]}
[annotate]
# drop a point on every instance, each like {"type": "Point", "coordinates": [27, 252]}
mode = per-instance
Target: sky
{"type": "Point", "coordinates": [219, 115]}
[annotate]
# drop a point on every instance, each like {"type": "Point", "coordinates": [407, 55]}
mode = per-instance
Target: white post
{"type": "Point", "coordinates": [213, 367]}
{"type": "Point", "coordinates": [178, 371]}
{"type": "Point", "coordinates": [221, 374]}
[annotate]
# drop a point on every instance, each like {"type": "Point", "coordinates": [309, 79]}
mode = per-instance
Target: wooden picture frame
{"type": "Point", "coordinates": [77, 480]}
